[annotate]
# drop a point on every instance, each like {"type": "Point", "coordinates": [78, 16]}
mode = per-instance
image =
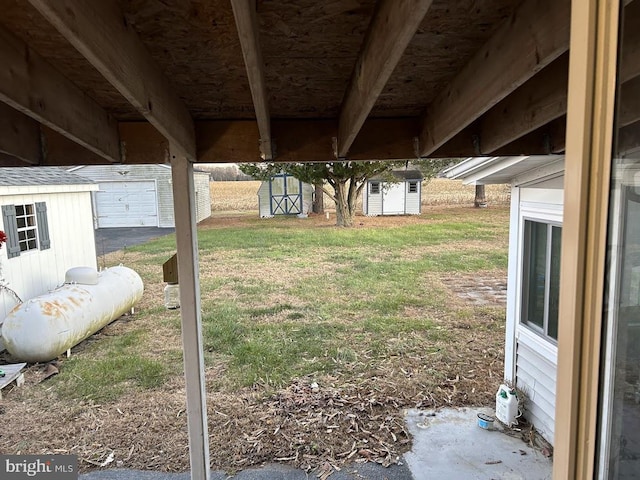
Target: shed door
{"type": "Point", "coordinates": [286, 195]}
{"type": "Point", "coordinates": [127, 204]}
{"type": "Point", "coordinates": [393, 199]}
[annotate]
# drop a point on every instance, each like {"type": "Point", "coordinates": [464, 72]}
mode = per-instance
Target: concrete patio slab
{"type": "Point", "coordinates": [447, 443]}
{"type": "Point", "coordinates": [451, 445]}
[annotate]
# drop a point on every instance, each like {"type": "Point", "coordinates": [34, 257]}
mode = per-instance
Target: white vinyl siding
{"type": "Point", "coordinates": [373, 204]}
{"type": "Point", "coordinates": [533, 358]}
{"type": "Point", "coordinates": [161, 175]}
{"type": "Point", "coordinates": [203, 196]}
{"type": "Point", "coordinates": [384, 198]}
{"type": "Point", "coordinates": [536, 376]}
{"type": "Point", "coordinates": [413, 202]}
{"type": "Point", "coordinates": [70, 226]}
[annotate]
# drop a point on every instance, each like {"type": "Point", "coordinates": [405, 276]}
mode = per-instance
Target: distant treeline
{"type": "Point", "coordinates": [229, 173]}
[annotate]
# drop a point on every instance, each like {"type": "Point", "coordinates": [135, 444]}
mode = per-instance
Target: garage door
{"type": "Point", "coordinates": [127, 204]}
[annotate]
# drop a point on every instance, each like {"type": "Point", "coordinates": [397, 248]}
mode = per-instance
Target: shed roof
{"type": "Point", "coordinates": [21, 176]}
{"type": "Point", "coordinates": [404, 175]}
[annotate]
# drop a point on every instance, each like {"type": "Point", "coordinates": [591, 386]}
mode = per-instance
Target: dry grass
{"type": "Point", "coordinates": [235, 197]}
{"type": "Point", "coordinates": [454, 357]}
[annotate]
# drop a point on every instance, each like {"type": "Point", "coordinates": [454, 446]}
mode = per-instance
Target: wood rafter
{"type": "Point", "coordinates": [114, 49]}
{"type": "Point", "coordinates": [539, 101]}
{"type": "Point", "coordinates": [244, 12]}
{"type": "Point", "coordinates": [543, 98]}
{"type": "Point", "coordinates": [29, 84]}
{"type": "Point", "coordinates": [536, 35]}
{"type": "Point", "coordinates": [392, 28]}
{"type": "Point", "coordinates": [20, 136]}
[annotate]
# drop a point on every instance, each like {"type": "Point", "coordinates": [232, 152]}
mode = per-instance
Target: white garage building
{"type": "Point", "coordinates": [139, 195]}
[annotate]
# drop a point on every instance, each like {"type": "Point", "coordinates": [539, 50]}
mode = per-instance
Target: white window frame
{"type": "Point", "coordinates": [543, 330]}
{"type": "Point", "coordinates": [375, 188]}
{"type": "Point", "coordinates": [537, 212]}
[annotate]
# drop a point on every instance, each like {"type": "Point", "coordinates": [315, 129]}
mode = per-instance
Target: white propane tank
{"type": "Point", "coordinates": [44, 327]}
{"type": "Point", "coordinates": [507, 405]}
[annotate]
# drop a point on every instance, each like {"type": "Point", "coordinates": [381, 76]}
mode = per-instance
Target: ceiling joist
{"type": "Point", "coordinates": [29, 84]}
{"type": "Point", "coordinates": [394, 24]}
{"type": "Point", "coordinates": [536, 34]}
{"type": "Point", "coordinates": [539, 101]}
{"type": "Point", "coordinates": [244, 12]}
{"type": "Point", "coordinates": [20, 136]}
{"type": "Point", "coordinates": [114, 49]}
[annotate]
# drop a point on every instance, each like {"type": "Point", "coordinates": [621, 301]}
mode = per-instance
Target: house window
{"type": "Point", "coordinates": [26, 227]}
{"type": "Point", "coordinates": [541, 277]}
{"type": "Point", "coordinates": [375, 188]}
{"type": "Point", "coordinates": [413, 187]}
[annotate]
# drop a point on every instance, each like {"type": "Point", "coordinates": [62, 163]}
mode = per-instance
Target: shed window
{"type": "Point", "coordinates": [541, 277]}
{"type": "Point", "coordinates": [374, 188]}
{"type": "Point", "coordinates": [413, 187]}
{"type": "Point", "coordinates": [26, 227]}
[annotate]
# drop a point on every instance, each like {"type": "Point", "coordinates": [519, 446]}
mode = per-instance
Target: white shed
{"type": "Point", "coordinates": [284, 195]}
{"type": "Point", "coordinates": [531, 349]}
{"type": "Point", "coordinates": [403, 197]}
{"type": "Point", "coordinates": [46, 215]}
{"type": "Point", "coordinates": [139, 195]}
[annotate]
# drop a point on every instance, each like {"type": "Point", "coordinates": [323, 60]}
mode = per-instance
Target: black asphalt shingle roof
{"type": "Point", "coordinates": [19, 176]}
{"type": "Point", "coordinates": [404, 175]}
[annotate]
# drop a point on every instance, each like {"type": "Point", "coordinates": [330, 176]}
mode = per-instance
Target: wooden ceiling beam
{"type": "Point", "coordinates": [244, 12]}
{"type": "Point", "coordinates": [20, 136]}
{"type": "Point", "coordinates": [629, 140]}
{"type": "Point", "coordinates": [222, 141]}
{"type": "Point", "coordinates": [35, 88]}
{"type": "Point", "coordinates": [394, 24]}
{"type": "Point", "coordinates": [547, 140]}
{"type": "Point", "coordinates": [11, 161]}
{"type": "Point", "coordinates": [535, 35]}
{"type": "Point", "coordinates": [543, 98]}
{"type": "Point", "coordinates": [101, 33]}
{"type": "Point", "coordinates": [629, 104]}
{"type": "Point", "coordinates": [539, 101]}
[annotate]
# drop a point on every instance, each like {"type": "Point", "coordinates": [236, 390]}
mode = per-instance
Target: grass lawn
{"type": "Point", "coordinates": [315, 338]}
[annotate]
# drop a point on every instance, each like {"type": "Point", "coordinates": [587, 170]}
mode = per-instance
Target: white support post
{"type": "Point", "coordinates": [187, 243]}
{"type": "Point", "coordinates": [512, 287]}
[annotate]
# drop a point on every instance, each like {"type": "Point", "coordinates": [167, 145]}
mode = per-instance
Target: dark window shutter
{"type": "Point", "coordinates": [11, 229]}
{"type": "Point", "coordinates": [43, 225]}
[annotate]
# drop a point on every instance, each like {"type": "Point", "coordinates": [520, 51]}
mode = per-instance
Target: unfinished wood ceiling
{"type": "Point", "coordinates": [289, 80]}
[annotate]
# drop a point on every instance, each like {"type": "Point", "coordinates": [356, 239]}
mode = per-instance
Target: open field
{"type": "Point", "coordinates": [316, 340]}
{"type": "Point", "coordinates": [243, 196]}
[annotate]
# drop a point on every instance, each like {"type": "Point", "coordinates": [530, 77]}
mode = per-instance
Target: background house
{"type": "Point", "coordinates": [46, 215]}
{"type": "Point", "coordinates": [284, 195]}
{"type": "Point", "coordinates": [139, 195]}
{"type": "Point", "coordinates": [536, 217]}
{"type": "Point", "coordinates": [382, 197]}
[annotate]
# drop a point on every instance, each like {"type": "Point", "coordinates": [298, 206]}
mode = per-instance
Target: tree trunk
{"type": "Point", "coordinates": [318, 200]}
{"type": "Point", "coordinates": [344, 214]}
{"type": "Point", "coordinates": [480, 200]}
